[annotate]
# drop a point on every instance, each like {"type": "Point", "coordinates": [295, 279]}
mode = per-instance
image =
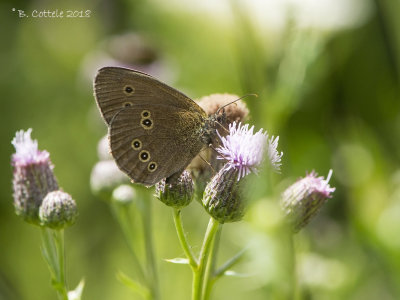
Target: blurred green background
{"type": "Point", "coordinates": [327, 76]}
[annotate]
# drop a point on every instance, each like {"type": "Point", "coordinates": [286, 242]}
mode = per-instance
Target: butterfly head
{"type": "Point", "coordinates": [213, 123]}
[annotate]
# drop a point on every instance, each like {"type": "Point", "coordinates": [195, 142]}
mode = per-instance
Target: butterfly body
{"type": "Point", "coordinates": [154, 130]}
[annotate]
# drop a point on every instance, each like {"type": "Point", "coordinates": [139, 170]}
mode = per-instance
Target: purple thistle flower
{"type": "Point", "coordinates": [33, 176]}
{"type": "Point", "coordinates": [303, 199]}
{"type": "Point", "coordinates": [27, 150]}
{"type": "Point", "coordinates": [244, 150]}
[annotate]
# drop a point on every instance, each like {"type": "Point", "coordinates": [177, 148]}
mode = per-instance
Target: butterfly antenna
{"type": "Point", "coordinates": [203, 159]}
{"type": "Point", "coordinates": [219, 109]}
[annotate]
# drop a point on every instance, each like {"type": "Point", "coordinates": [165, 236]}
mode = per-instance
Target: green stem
{"type": "Point", "coordinates": [182, 239]}
{"type": "Point", "coordinates": [149, 248]}
{"type": "Point", "coordinates": [54, 254]}
{"type": "Point", "coordinates": [124, 218]}
{"type": "Point", "coordinates": [295, 286]}
{"type": "Point", "coordinates": [209, 277]}
{"type": "Point", "coordinates": [199, 275]}
{"type": "Point", "coordinates": [49, 251]}
{"type": "Point", "coordinates": [59, 239]}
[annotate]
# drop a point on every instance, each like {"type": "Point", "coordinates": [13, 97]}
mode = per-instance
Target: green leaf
{"type": "Point", "coordinates": [224, 269]}
{"type": "Point", "coordinates": [133, 285]}
{"type": "Point", "coordinates": [236, 274]}
{"type": "Point", "coordinates": [77, 292]}
{"type": "Point", "coordinates": [178, 260]}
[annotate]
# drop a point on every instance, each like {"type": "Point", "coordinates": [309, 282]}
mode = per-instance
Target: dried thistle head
{"type": "Point", "coordinates": [236, 112]}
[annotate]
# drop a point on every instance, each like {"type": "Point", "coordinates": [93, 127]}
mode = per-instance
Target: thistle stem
{"type": "Point", "coordinates": [152, 276]}
{"type": "Point", "coordinates": [124, 218]}
{"type": "Point", "coordinates": [54, 254]}
{"type": "Point", "coordinates": [295, 286]}
{"type": "Point", "coordinates": [200, 273]}
{"type": "Point", "coordinates": [183, 240]}
{"type": "Point", "coordinates": [210, 272]}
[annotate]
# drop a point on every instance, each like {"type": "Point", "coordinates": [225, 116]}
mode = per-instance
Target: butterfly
{"type": "Point", "coordinates": [154, 130]}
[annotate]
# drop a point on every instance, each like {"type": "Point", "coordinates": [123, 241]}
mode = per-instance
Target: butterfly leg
{"type": "Point", "coordinates": [174, 177]}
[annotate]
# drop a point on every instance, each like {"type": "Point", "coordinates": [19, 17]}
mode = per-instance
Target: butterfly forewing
{"type": "Point", "coordinates": [116, 88]}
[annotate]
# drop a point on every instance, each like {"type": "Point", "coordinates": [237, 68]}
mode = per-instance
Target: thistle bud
{"type": "Point", "coordinates": [131, 49]}
{"type": "Point", "coordinates": [33, 176]}
{"type": "Point", "coordinates": [302, 200]}
{"type": "Point", "coordinates": [105, 177]}
{"type": "Point", "coordinates": [123, 194]}
{"type": "Point", "coordinates": [223, 198]}
{"type": "Point", "coordinates": [177, 194]}
{"type": "Point", "coordinates": [103, 149]}
{"type": "Point", "coordinates": [58, 210]}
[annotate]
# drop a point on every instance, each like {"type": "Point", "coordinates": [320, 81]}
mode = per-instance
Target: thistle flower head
{"type": "Point", "coordinates": [33, 176]}
{"type": "Point", "coordinates": [223, 197]}
{"type": "Point", "coordinates": [244, 150]}
{"type": "Point", "coordinates": [303, 199]}
{"type": "Point", "coordinates": [236, 112]}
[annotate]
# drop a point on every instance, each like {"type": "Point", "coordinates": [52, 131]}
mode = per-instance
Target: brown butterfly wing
{"type": "Point", "coordinates": [155, 132]}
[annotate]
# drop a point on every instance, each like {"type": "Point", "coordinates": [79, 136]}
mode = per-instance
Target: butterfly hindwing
{"type": "Point", "coordinates": [155, 146]}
